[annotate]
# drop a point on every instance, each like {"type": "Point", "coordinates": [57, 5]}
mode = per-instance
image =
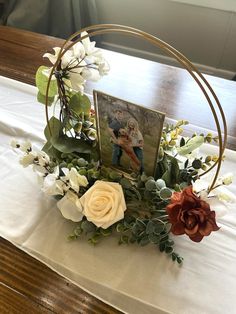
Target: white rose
{"type": "Point", "coordinates": [70, 207]}
{"type": "Point", "coordinates": [104, 203]}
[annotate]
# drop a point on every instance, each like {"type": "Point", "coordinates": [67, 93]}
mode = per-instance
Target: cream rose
{"type": "Point", "coordinates": [104, 203]}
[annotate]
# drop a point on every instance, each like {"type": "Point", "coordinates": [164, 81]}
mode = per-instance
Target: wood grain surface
{"type": "Point", "coordinates": [28, 286]}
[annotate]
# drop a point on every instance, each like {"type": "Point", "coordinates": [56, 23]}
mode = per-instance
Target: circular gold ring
{"type": "Point", "coordinates": [203, 84]}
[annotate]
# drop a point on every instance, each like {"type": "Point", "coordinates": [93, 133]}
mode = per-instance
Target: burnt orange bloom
{"type": "Point", "coordinates": [190, 215]}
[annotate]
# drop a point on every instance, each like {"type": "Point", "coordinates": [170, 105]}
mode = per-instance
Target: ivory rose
{"type": "Point", "coordinates": [104, 203]}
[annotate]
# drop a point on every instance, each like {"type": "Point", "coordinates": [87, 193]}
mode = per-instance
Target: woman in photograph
{"type": "Point", "coordinates": [136, 139]}
{"type": "Point", "coordinates": [125, 142]}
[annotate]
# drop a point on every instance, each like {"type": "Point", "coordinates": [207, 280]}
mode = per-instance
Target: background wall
{"type": "Point", "coordinates": [204, 33]}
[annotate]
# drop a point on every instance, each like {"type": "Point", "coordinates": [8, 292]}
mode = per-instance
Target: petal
{"type": "Point", "coordinates": [196, 238]}
{"type": "Point", "coordinates": [78, 50]}
{"type": "Point", "coordinates": [52, 58]}
{"type": "Point", "coordinates": [70, 207]}
{"type": "Point", "coordinates": [178, 228]}
{"type": "Point", "coordinates": [91, 74]}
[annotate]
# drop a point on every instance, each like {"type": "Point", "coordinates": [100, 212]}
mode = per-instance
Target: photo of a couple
{"type": "Point", "coordinates": [129, 135]}
{"type": "Point", "coordinates": [126, 138]}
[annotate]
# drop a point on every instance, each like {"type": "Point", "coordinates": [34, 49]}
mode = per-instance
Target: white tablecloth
{"type": "Point", "coordinates": [133, 279]}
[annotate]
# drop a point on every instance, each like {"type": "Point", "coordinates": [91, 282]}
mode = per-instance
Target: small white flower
{"type": "Point", "coordinates": [26, 146]}
{"type": "Point", "coordinates": [200, 185]}
{"type": "Point", "coordinates": [219, 199]}
{"type": "Point", "coordinates": [40, 170]}
{"type": "Point", "coordinates": [89, 46]}
{"type": "Point", "coordinates": [227, 179]}
{"type": "Point", "coordinates": [28, 159]}
{"type": "Point", "coordinates": [70, 207]}
{"type": "Point", "coordinates": [43, 158]}
{"type": "Point", "coordinates": [14, 143]}
{"type": "Point", "coordinates": [91, 74]}
{"type": "Point", "coordinates": [78, 50]}
{"type": "Point", "coordinates": [77, 81]}
{"type": "Point", "coordinates": [65, 60]}
{"type": "Point", "coordinates": [103, 68]}
{"type": "Point", "coordinates": [52, 185]}
{"type": "Point", "coordinates": [75, 179]}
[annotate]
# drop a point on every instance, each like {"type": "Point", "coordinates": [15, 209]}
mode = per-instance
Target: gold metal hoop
{"type": "Point", "coordinates": [203, 84]}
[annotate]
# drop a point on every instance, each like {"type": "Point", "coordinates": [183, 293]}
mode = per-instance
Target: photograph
{"type": "Point", "coordinates": [129, 134]}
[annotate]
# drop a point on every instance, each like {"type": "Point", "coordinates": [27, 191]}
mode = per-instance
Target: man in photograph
{"type": "Point", "coordinates": [114, 126]}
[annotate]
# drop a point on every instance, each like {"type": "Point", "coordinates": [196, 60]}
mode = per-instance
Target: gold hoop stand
{"type": "Point", "coordinates": [193, 71]}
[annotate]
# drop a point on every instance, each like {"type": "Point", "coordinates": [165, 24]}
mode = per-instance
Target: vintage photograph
{"type": "Point", "coordinates": [129, 135]}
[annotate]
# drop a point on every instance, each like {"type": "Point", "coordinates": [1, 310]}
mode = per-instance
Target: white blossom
{"type": "Point", "coordinates": [43, 158]}
{"type": "Point", "coordinates": [28, 159]}
{"type": "Point", "coordinates": [52, 185]}
{"type": "Point", "coordinates": [103, 68]}
{"type": "Point", "coordinates": [227, 179]}
{"type": "Point", "coordinates": [65, 60]}
{"type": "Point", "coordinates": [26, 146]}
{"type": "Point", "coordinates": [82, 62]}
{"type": "Point", "coordinates": [70, 207]}
{"type": "Point", "coordinates": [75, 180]}
{"type": "Point", "coordinates": [14, 143]}
{"type": "Point", "coordinates": [220, 199]}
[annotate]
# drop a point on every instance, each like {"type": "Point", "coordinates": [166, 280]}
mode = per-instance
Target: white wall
{"type": "Point", "coordinates": [203, 34]}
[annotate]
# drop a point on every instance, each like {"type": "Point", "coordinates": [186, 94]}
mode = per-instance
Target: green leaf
{"type": "Point", "coordinates": [55, 127]}
{"type": "Point", "coordinates": [78, 231]}
{"type": "Point", "coordinates": [42, 99]}
{"type": "Point", "coordinates": [88, 226]}
{"type": "Point", "coordinates": [167, 177]}
{"type": "Point", "coordinates": [51, 151]}
{"type": "Point", "coordinates": [151, 185]}
{"type": "Point", "coordinates": [126, 184]}
{"type": "Point", "coordinates": [154, 238]}
{"type": "Point", "coordinates": [162, 247]}
{"type": "Point", "coordinates": [168, 227]}
{"type": "Point", "coordinates": [197, 164]}
{"type": "Point", "coordinates": [67, 144]}
{"type": "Point", "coordinates": [165, 193]}
{"type": "Point", "coordinates": [80, 103]}
{"type": "Point", "coordinates": [124, 239]}
{"type": "Point", "coordinates": [150, 227]}
{"type": "Point", "coordinates": [114, 176]}
{"type": "Point", "coordinates": [144, 241]}
{"type": "Point", "coordinates": [106, 232]}
{"type": "Point", "coordinates": [169, 249]}
{"type": "Point", "coordinates": [41, 81]}
{"type": "Point", "coordinates": [159, 228]}
{"type": "Point", "coordinates": [191, 145]}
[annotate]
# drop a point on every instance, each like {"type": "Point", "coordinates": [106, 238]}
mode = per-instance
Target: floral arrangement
{"type": "Point", "coordinates": [102, 201]}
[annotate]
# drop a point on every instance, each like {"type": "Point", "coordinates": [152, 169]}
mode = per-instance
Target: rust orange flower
{"type": "Point", "coordinates": [190, 215]}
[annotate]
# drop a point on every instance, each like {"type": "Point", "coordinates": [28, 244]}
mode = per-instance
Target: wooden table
{"type": "Point", "coordinates": [26, 285]}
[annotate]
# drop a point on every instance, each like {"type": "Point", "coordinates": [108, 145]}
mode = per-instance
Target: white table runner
{"type": "Point", "coordinates": [133, 279]}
